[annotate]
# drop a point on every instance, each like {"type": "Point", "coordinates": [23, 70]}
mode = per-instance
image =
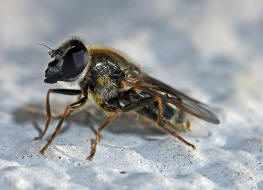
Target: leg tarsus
{"type": "Point", "coordinates": [176, 135]}
{"type": "Point", "coordinates": [49, 116]}
{"type": "Point", "coordinates": [93, 148]}
{"type": "Point", "coordinates": [186, 142]}
{"type": "Point", "coordinates": [42, 151]}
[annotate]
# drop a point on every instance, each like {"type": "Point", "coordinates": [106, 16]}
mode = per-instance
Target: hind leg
{"type": "Point", "coordinates": [161, 121]}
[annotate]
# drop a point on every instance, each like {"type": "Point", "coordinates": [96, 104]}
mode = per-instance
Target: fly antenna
{"type": "Point", "coordinates": [45, 46]}
{"type": "Point", "coordinates": [52, 52]}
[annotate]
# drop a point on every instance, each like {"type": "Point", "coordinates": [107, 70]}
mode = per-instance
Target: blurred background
{"type": "Point", "coordinates": [212, 50]}
{"type": "Point", "coordinates": [172, 39]}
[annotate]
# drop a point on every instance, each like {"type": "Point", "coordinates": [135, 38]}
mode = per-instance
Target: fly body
{"type": "Point", "coordinates": [117, 85]}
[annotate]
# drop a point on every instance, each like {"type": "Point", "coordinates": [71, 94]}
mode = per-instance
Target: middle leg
{"type": "Point", "coordinates": [109, 120]}
{"type": "Point", "coordinates": [129, 107]}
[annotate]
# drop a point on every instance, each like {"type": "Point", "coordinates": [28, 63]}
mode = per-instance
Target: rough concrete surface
{"type": "Point", "coordinates": [211, 50]}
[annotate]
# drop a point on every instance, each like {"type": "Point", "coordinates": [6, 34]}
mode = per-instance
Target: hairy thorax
{"type": "Point", "coordinates": [104, 80]}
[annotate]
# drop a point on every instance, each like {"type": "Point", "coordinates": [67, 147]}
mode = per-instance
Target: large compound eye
{"type": "Point", "coordinates": [74, 62]}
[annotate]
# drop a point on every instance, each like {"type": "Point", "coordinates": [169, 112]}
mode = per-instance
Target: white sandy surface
{"type": "Point", "coordinates": [212, 50]}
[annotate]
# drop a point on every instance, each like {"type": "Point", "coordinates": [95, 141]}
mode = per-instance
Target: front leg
{"type": "Point", "coordinates": [49, 116]}
{"type": "Point", "coordinates": [68, 110]}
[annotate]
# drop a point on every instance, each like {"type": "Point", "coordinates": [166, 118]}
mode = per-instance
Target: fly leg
{"type": "Point", "coordinates": [49, 116]}
{"type": "Point", "coordinates": [93, 149]}
{"type": "Point", "coordinates": [78, 98]}
{"type": "Point", "coordinates": [160, 119]}
{"type": "Point", "coordinates": [176, 135]}
{"type": "Point", "coordinates": [128, 107]}
{"type": "Point", "coordinates": [68, 110]}
{"type": "Point", "coordinates": [133, 107]}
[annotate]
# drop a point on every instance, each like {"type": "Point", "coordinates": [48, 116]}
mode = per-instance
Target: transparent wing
{"type": "Point", "coordinates": [180, 100]}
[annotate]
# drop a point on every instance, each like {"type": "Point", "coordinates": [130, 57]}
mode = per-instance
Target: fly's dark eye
{"type": "Point", "coordinates": [74, 62]}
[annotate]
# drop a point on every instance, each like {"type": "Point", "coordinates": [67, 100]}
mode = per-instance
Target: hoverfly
{"type": "Point", "coordinates": [117, 85]}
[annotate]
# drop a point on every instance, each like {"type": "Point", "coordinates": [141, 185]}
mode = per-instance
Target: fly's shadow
{"type": "Point", "coordinates": [91, 116]}
{"type": "Point", "coordinates": [35, 113]}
